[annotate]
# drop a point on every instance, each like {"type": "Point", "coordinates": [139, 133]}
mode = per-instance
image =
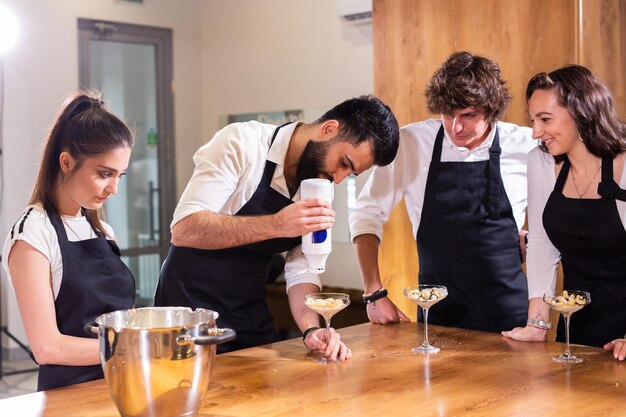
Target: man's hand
{"type": "Point", "coordinates": [208, 230]}
{"type": "Point", "coordinates": [304, 216]}
{"type": "Point", "coordinates": [526, 334]}
{"type": "Point", "coordinates": [384, 311]}
{"type": "Point", "coordinates": [306, 318]}
{"type": "Point", "coordinates": [332, 349]}
{"type": "Point", "coordinates": [618, 346]}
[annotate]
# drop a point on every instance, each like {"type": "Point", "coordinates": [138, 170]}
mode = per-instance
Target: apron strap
{"type": "Point", "coordinates": [608, 188]}
{"type": "Point", "coordinates": [436, 158]}
{"type": "Point", "coordinates": [57, 223]}
{"type": "Point", "coordinates": [268, 172]}
{"type": "Point", "coordinates": [494, 177]}
{"type": "Point", "coordinates": [560, 180]}
{"type": "Point", "coordinates": [270, 167]}
{"type": "Point", "coordinates": [494, 170]}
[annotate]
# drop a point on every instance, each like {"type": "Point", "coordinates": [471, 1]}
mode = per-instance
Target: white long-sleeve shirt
{"type": "Point", "coordinates": [227, 173]}
{"type": "Point", "coordinates": [406, 176]}
{"type": "Point", "coordinates": [542, 258]}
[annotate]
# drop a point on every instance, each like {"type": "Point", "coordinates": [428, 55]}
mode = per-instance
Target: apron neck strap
{"type": "Point", "coordinates": [608, 188]}
{"type": "Point", "coordinates": [270, 167]}
{"type": "Point", "coordinates": [494, 169]}
{"type": "Point", "coordinates": [494, 177]}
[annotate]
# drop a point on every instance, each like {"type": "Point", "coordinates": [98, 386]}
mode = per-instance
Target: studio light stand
{"type": "Point", "coordinates": [5, 330]}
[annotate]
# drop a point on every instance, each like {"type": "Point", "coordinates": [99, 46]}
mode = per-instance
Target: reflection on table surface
{"type": "Point", "coordinates": [475, 374]}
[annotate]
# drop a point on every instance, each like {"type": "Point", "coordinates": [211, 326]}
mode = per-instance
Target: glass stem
{"type": "Point", "coordinates": [426, 327]}
{"type": "Point", "coordinates": [567, 352]}
{"type": "Point", "coordinates": [327, 331]}
{"type": "Point", "coordinates": [417, 322]}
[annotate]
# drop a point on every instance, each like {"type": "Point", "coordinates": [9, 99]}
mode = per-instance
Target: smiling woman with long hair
{"type": "Point", "coordinates": [62, 260]}
{"type": "Point", "coordinates": [577, 206]}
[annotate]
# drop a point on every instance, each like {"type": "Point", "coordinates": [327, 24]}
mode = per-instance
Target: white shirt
{"type": "Point", "coordinates": [37, 231]}
{"type": "Point", "coordinates": [406, 176]}
{"type": "Point", "coordinates": [227, 173]}
{"type": "Point", "coordinates": [542, 258]}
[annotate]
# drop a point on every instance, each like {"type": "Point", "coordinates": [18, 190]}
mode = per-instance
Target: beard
{"type": "Point", "coordinates": [312, 160]}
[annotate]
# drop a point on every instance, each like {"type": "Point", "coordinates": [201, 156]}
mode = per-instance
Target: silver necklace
{"type": "Point", "coordinates": [580, 195]}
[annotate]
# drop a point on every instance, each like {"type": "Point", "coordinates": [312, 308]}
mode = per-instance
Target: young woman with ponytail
{"type": "Point", "coordinates": [62, 260]}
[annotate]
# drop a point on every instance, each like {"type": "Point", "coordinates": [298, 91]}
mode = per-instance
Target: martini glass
{"type": "Point", "coordinates": [327, 304]}
{"type": "Point", "coordinates": [567, 303]}
{"type": "Point", "coordinates": [425, 296]}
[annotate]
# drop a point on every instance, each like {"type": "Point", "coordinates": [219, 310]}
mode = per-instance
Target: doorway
{"type": "Point", "coordinates": [131, 65]}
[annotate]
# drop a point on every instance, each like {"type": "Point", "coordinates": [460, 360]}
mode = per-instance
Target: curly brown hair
{"type": "Point", "coordinates": [467, 80]}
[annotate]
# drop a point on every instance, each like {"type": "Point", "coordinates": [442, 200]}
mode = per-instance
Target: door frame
{"type": "Point", "coordinates": [161, 38]}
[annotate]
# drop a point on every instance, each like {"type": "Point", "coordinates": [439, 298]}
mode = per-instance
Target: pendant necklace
{"type": "Point", "coordinates": [580, 195]}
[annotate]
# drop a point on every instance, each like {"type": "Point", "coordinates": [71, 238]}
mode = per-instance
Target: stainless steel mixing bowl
{"type": "Point", "coordinates": [157, 361]}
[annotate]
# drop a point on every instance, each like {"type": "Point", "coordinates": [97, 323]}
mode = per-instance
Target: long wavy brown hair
{"type": "Point", "coordinates": [590, 103]}
{"type": "Point", "coordinates": [84, 128]}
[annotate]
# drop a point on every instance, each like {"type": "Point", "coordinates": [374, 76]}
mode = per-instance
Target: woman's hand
{"type": "Point", "coordinates": [538, 309]}
{"type": "Point", "coordinates": [526, 334]}
{"type": "Point", "coordinates": [618, 346]}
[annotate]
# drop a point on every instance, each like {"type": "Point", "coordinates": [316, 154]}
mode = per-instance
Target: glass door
{"type": "Point", "coordinates": [131, 66]}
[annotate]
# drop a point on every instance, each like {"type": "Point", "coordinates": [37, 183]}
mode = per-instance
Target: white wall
{"type": "Point", "coordinates": [230, 56]}
{"type": "Point", "coordinates": [281, 55]}
{"type": "Point", "coordinates": [43, 67]}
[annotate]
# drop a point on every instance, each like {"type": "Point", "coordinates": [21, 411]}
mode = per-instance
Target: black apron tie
{"type": "Point", "coordinates": [608, 188]}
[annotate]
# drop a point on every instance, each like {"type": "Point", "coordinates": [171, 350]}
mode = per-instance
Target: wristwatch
{"type": "Point", "coordinates": [538, 323]}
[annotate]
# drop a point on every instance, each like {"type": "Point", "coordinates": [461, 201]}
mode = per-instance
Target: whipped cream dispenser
{"type": "Point", "coordinates": [316, 246]}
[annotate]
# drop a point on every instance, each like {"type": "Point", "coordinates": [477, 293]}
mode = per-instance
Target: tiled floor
{"type": "Point", "coordinates": [18, 384]}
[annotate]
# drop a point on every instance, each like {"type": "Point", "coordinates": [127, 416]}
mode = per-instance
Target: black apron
{"type": "Point", "coordinates": [591, 238]}
{"type": "Point", "coordinates": [468, 241]}
{"type": "Point", "coordinates": [95, 281]}
{"type": "Point", "coordinates": [230, 281]}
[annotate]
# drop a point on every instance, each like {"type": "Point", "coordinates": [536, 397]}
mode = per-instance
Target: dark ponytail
{"type": "Point", "coordinates": [84, 128]}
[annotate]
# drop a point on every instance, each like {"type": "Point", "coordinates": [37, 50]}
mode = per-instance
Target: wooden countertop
{"type": "Point", "coordinates": [475, 374]}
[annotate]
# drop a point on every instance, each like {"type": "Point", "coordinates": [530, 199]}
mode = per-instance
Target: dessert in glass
{"type": "Point", "coordinates": [425, 296]}
{"type": "Point", "coordinates": [567, 303]}
{"type": "Point", "coordinates": [327, 304]}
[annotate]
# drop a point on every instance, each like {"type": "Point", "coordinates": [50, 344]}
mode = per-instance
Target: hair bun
{"type": "Point", "coordinates": [95, 101]}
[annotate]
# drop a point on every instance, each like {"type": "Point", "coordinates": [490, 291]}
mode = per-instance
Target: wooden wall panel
{"type": "Point", "coordinates": [412, 38]}
{"type": "Point", "coordinates": [603, 46]}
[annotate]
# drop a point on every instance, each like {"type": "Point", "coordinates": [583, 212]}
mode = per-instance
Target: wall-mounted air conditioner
{"type": "Point", "coordinates": [355, 10]}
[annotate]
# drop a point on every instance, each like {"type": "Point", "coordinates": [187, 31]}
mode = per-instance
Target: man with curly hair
{"type": "Point", "coordinates": [463, 178]}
